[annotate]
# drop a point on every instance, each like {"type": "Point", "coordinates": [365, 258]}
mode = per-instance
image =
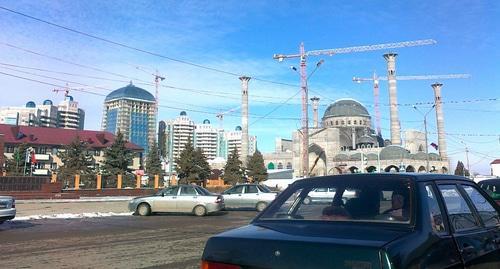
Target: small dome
{"type": "Point", "coordinates": [366, 139]}
{"type": "Point", "coordinates": [355, 157]}
{"type": "Point", "coordinates": [341, 157]}
{"type": "Point", "coordinates": [206, 121]}
{"type": "Point", "coordinates": [47, 102]}
{"type": "Point", "coordinates": [346, 108]}
{"type": "Point", "coordinates": [371, 156]}
{"type": "Point", "coordinates": [183, 113]}
{"type": "Point", "coordinates": [419, 156]}
{"type": "Point", "coordinates": [434, 157]}
{"type": "Point", "coordinates": [238, 128]}
{"type": "Point", "coordinates": [70, 98]}
{"type": "Point", "coordinates": [130, 92]}
{"type": "Point", "coordinates": [31, 104]}
{"type": "Point", "coordinates": [393, 153]}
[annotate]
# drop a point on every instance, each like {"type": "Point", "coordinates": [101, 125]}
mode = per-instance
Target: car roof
{"type": "Point", "coordinates": [490, 181]}
{"type": "Point", "coordinates": [416, 177]}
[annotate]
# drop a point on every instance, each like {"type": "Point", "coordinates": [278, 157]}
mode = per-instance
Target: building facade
{"type": "Point", "coordinates": [131, 111]}
{"type": "Point", "coordinates": [346, 143]}
{"type": "Point", "coordinates": [47, 142]}
{"type": "Point", "coordinates": [66, 115]}
{"type": "Point", "coordinates": [206, 138]}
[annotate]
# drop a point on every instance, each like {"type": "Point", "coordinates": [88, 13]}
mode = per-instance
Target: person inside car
{"type": "Point", "coordinates": [397, 209]}
{"type": "Point", "coordinates": [335, 213]}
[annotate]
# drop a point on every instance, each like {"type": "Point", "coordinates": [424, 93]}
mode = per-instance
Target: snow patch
{"type": "Point", "coordinates": [74, 216]}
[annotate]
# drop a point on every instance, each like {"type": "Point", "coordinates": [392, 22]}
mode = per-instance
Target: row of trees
{"type": "Point", "coordinates": [192, 166]}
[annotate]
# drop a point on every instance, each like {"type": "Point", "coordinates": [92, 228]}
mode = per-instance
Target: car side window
{"type": "Point", "coordinates": [251, 189]}
{"type": "Point", "coordinates": [485, 210]}
{"type": "Point", "coordinates": [235, 190]}
{"type": "Point", "coordinates": [188, 190]}
{"type": "Point", "coordinates": [459, 212]}
{"type": "Point", "coordinates": [172, 191]}
{"type": "Point", "coordinates": [435, 214]}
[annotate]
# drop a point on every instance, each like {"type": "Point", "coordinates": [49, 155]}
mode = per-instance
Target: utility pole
{"type": "Point", "coordinates": [303, 80]}
{"type": "Point", "coordinates": [426, 140]}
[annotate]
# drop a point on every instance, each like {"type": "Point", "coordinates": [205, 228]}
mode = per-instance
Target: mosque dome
{"type": "Point", "coordinates": [206, 121]}
{"type": "Point", "coordinates": [30, 104]}
{"type": "Point", "coordinates": [130, 92]}
{"type": "Point", "coordinates": [47, 102]}
{"type": "Point", "coordinates": [238, 128]}
{"type": "Point", "coordinates": [346, 108]}
{"type": "Point", "coordinates": [394, 152]}
{"type": "Point", "coordinates": [183, 113]}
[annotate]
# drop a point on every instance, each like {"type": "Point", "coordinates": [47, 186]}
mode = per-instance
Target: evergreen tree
{"type": "Point", "coordinates": [233, 171]}
{"type": "Point", "coordinates": [117, 157]}
{"type": "Point", "coordinates": [153, 162]}
{"type": "Point", "coordinates": [185, 167]}
{"type": "Point", "coordinates": [75, 159]}
{"type": "Point", "coordinates": [460, 170]}
{"type": "Point", "coordinates": [256, 168]}
{"type": "Point", "coordinates": [201, 166]}
{"type": "Point", "coordinates": [15, 166]}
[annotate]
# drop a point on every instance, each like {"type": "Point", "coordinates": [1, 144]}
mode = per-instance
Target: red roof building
{"type": "Point", "coordinates": [47, 141]}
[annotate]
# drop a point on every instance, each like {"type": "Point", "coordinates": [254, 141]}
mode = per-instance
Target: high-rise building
{"type": "Point", "coordinates": [206, 138]}
{"type": "Point", "coordinates": [179, 132]}
{"type": "Point", "coordinates": [233, 140]}
{"type": "Point", "coordinates": [131, 111]}
{"type": "Point", "coordinates": [69, 116]}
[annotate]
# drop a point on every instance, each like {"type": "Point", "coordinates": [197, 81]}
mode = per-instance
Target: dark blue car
{"type": "Point", "coordinates": [386, 221]}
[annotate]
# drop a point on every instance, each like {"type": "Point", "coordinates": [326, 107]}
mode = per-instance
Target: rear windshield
{"type": "Point", "coordinates": [356, 199]}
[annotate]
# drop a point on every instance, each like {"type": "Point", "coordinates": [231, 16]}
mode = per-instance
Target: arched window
{"type": "Point", "coordinates": [289, 165]}
{"type": "Point", "coordinates": [280, 166]}
{"type": "Point", "coordinates": [270, 166]}
{"type": "Point", "coordinates": [336, 122]}
{"type": "Point", "coordinates": [355, 122]}
{"type": "Point", "coordinates": [348, 122]}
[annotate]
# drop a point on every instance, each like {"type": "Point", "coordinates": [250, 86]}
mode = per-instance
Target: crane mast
{"type": "Point", "coordinates": [303, 80]}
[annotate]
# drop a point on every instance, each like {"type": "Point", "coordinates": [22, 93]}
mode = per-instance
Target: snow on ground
{"type": "Point", "coordinates": [74, 216]}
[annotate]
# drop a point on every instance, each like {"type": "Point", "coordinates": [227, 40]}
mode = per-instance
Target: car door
{"type": "Point", "coordinates": [250, 196]}
{"type": "Point", "coordinates": [232, 197]}
{"type": "Point", "coordinates": [167, 201]}
{"type": "Point", "coordinates": [471, 238]}
{"type": "Point", "coordinates": [489, 216]}
{"type": "Point", "coordinates": [187, 199]}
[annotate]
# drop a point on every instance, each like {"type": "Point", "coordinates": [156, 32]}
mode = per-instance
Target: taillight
{"type": "Point", "coordinates": [218, 265]}
{"type": "Point", "coordinates": [219, 199]}
{"type": "Point", "coordinates": [13, 203]}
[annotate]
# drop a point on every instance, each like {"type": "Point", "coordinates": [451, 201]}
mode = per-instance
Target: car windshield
{"type": "Point", "coordinates": [356, 199]}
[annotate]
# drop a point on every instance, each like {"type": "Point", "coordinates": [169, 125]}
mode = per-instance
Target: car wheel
{"type": "Point", "coordinates": [144, 209]}
{"type": "Point", "coordinates": [200, 211]}
{"type": "Point", "coordinates": [260, 206]}
{"type": "Point", "coordinates": [307, 200]}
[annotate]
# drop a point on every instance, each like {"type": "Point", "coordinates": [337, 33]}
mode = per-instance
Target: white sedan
{"type": "Point", "coordinates": [7, 208]}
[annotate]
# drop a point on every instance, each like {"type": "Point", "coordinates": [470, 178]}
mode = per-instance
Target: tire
{"type": "Point", "coordinates": [143, 209]}
{"type": "Point", "coordinates": [307, 200]}
{"type": "Point", "coordinates": [260, 206]}
{"type": "Point", "coordinates": [199, 211]}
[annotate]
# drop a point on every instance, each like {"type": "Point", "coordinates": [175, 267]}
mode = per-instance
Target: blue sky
{"type": "Point", "coordinates": [241, 37]}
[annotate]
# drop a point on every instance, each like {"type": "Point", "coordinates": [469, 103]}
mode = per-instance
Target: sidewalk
{"type": "Point", "coordinates": [84, 207]}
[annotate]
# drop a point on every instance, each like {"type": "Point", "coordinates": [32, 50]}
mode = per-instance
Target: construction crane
{"type": "Point", "coordinates": [220, 116]}
{"type": "Point", "coordinates": [376, 80]}
{"type": "Point", "coordinates": [303, 80]}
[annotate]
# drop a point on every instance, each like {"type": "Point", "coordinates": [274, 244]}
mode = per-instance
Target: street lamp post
{"type": "Point", "coordinates": [305, 118]}
{"type": "Point", "coordinates": [426, 141]}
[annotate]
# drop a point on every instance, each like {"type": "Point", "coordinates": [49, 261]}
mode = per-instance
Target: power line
{"type": "Point", "coordinates": [276, 108]}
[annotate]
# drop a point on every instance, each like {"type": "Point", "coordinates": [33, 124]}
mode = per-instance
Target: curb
{"type": "Point", "coordinates": [81, 200]}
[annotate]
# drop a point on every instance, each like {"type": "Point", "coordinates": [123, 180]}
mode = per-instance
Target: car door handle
{"type": "Point", "coordinates": [466, 250]}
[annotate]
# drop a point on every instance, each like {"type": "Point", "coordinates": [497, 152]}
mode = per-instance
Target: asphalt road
{"type": "Point", "coordinates": [159, 241]}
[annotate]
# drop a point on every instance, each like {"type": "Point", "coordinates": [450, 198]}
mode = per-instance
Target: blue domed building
{"type": "Point", "coordinates": [132, 111]}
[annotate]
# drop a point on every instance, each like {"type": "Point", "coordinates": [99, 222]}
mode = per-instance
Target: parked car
{"type": "Point", "coordinates": [430, 221]}
{"type": "Point", "coordinates": [248, 196]}
{"type": "Point", "coordinates": [7, 208]}
{"type": "Point", "coordinates": [325, 195]}
{"type": "Point", "coordinates": [181, 199]}
{"type": "Point", "coordinates": [492, 187]}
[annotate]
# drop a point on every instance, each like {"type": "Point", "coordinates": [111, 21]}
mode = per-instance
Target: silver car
{"type": "Point", "coordinates": [248, 196]}
{"type": "Point", "coordinates": [181, 199]}
{"type": "Point", "coordinates": [7, 208]}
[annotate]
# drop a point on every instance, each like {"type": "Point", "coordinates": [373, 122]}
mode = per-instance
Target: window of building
{"type": "Point", "coordinates": [342, 122]}
{"type": "Point", "coordinates": [355, 122]}
{"type": "Point", "coordinates": [280, 166]}
{"type": "Point", "coordinates": [348, 122]}
{"type": "Point", "coordinates": [336, 122]}
{"type": "Point", "coordinates": [289, 165]}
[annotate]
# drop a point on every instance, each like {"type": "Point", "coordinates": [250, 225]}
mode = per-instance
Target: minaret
{"type": "Point", "coordinates": [440, 120]}
{"type": "Point", "coordinates": [393, 99]}
{"type": "Point", "coordinates": [315, 104]}
{"type": "Point", "coordinates": [244, 120]}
